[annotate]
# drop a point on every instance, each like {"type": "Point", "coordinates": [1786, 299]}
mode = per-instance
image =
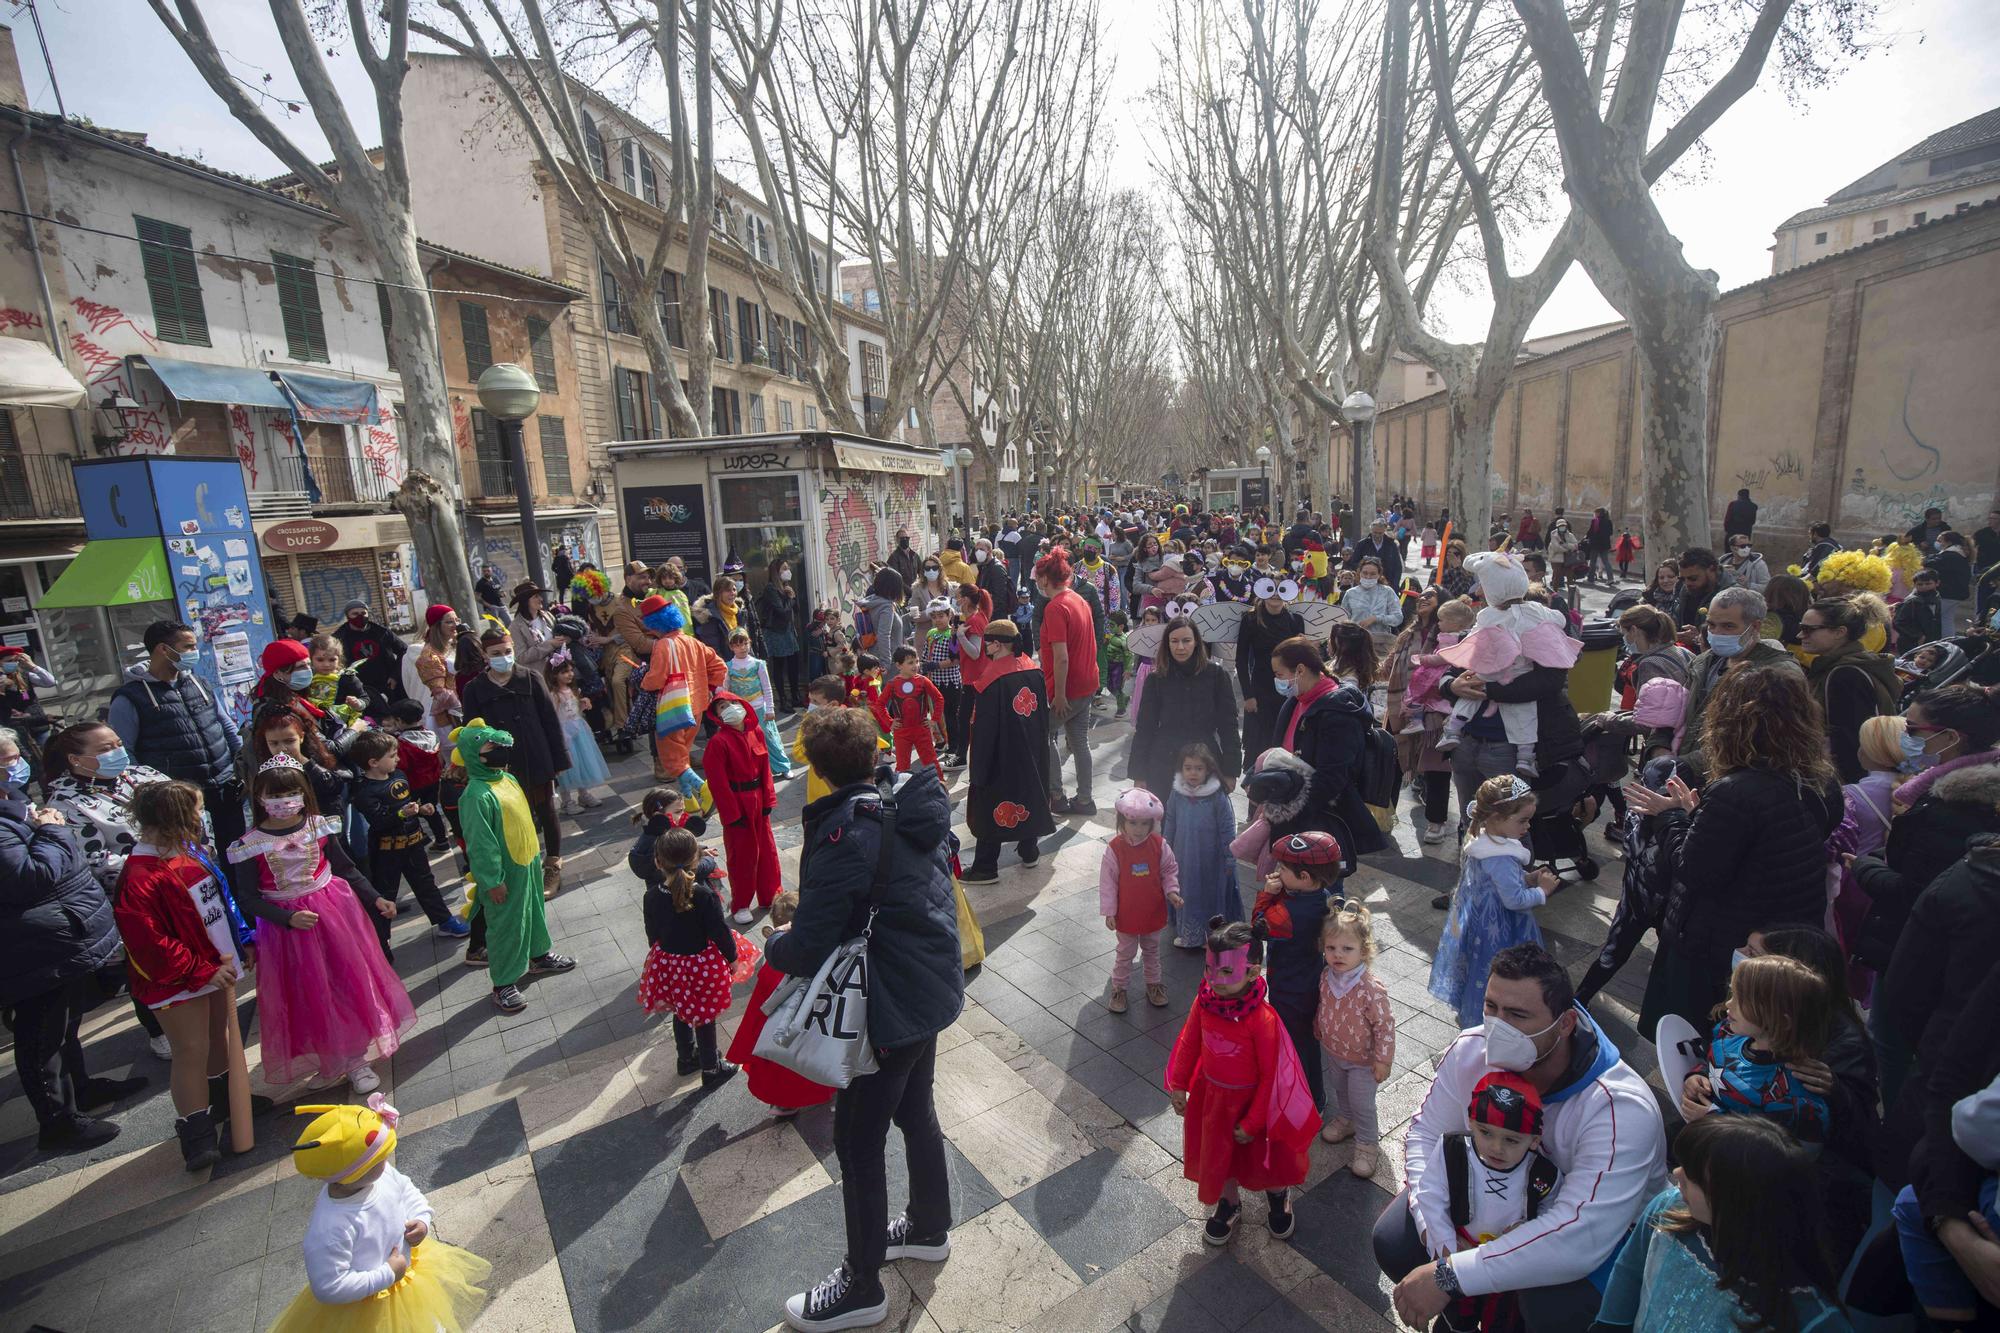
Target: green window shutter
{"type": "Point", "coordinates": [173, 281]}
{"type": "Point", "coordinates": [388, 322]}
{"type": "Point", "coordinates": [478, 343]}
{"type": "Point", "coordinates": [542, 350]}
{"type": "Point", "coordinates": [555, 457]}
{"type": "Point", "coordinates": [298, 298]}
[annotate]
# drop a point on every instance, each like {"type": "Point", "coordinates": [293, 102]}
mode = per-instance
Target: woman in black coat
{"type": "Point", "coordinates": [1330, 737]}
{"type": "Point", "coordinates": [1749, 848]}
{"type": "Point", "coordinates": [1187, 701]}
{"type": "Point", "coordinates": [55, 933]}
{"type": "Point", "coordinates": [1268, 623]}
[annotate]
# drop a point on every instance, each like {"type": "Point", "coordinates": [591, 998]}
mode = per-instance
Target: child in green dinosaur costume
{"type": "Point", "coordinates": [506, 857]}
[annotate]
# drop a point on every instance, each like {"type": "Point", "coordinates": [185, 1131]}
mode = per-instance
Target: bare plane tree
{"type": "Point", "coordinates": [374, 199]}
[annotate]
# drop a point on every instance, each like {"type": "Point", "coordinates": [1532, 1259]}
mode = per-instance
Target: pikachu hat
{"type": "Point", "coordinates": [345, 1143]}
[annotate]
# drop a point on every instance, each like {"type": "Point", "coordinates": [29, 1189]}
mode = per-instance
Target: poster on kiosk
{"type": "Point", "coordinates": [197, 514]}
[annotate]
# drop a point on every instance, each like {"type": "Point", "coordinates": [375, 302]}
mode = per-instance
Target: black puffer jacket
{"type": "Point", "coordinates": [1752, 853]}
{"type": "Point", "coordinates": [916, 975]}
{"type": "Point", "coordinates": [1947, 1180]}
{"type": "Point", "coordinates": [1178, 709]}
{"type": "Point", "coordinates": [1329, 740]}
{"type": "Point", "coordinates": [1947, 947]}
{"type": "Point", "coordinates": [55, 922]}
{"type": "Point", "coordinates": [1924, 841]}
{"type": "Point", "coordinates": [1547, 688]}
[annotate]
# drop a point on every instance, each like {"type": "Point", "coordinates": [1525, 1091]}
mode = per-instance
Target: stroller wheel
{"type": "Point", "coordinates": [1586, 868]}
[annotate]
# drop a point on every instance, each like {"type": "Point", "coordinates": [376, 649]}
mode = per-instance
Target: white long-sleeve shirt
{"type": "Point", "coordinates": [1604, 1134]}
{"type": "Point", "coordinates": [349, 1241]}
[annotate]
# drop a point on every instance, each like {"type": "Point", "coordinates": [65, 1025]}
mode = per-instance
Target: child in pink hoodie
{"type": "Point", "coordinates": [1136, 881]}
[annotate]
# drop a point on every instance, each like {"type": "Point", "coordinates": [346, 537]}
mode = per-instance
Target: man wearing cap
{"type": "Point", "coordinates": [1008, 796]}
{"type": "Point", "coordinates": [1600, 1126]}
{"type": "Point", "coordinates": [632, 645]}
{"type": "Point", "coordinates": [374, 651]}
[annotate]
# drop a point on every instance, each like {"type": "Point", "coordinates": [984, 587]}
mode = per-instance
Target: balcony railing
{"type": "Point", "coordinates": [37, 486]}
{"type": "Point", "coordinates": [342, 478]}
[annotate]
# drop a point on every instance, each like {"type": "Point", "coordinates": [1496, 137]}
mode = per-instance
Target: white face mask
{"type": "Point", "coordinates": [979, 557]}
{"type": "Point", "coordinates": [732, 714]}
{"type": "Point", "coordinates": [784, 576]}
{"type": "Point", "coordinates": [1507, 1047]}
{"type": "Point", "coordinates": [1367, 582]}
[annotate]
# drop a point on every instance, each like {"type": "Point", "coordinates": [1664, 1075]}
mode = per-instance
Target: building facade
{"type": "Point", "coordinates": [1856, 390]}
{"type": "Point", "coordinates": [1949, 172]}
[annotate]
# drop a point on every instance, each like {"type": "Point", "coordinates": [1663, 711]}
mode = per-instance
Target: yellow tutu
{"type": "Point", "coordinates": [444, 1289]}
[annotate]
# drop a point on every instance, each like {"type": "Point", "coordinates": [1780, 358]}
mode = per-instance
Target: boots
{"type": "Point", "coordinates": [218, 1103]}
{"type": "Point", "coordinates": [198, 1140]}
{"type": "Point", "coordinates": [551, 877]}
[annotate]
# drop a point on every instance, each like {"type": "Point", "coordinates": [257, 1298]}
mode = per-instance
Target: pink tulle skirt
{"type": "Point", "coordinates": [327, 1000]}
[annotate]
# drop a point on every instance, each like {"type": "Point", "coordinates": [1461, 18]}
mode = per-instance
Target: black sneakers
{"type": "Point", "coordinates": [1222, 1222]}
{"type": "Point", "coordinates": [550, 963]}
{"type": "Point", "coordinates": [509, 1000]}
{"type": "Point", "coordinates": [716, 1077]}
{"type": "Point", "coordinates": [71, 1132]}
{"type": "Point", "coordinates": [838, 1302]}
{"type": "Point", "coordinates": [903, 1245]}
{"type": "Point", "coordinates": [96, 1093]}
{"type": "Point", "coordinates": [1282, 1222]}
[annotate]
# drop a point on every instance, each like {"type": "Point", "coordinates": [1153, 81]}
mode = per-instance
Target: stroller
{"type": "Point", "coordinates": [1954, 662]}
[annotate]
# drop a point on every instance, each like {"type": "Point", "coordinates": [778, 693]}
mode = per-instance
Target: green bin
{"type": "Point", "coordinates": [1596, 668]}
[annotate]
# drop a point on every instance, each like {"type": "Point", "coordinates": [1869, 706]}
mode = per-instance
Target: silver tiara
{"type": "Point", "coordinates": [280, 761]}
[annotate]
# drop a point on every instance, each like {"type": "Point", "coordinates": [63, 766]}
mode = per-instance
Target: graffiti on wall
{"type": "Point", "coordinates": [500, 552]}
{"type": "Point", "coordinates": [853, 539]}
{"type": "Point", "coordinates": [1928, 458]}
{"type": "Point", "coordinates": [99, 364]}
{"type": "Point", "coordinates": [102, 319]}
{"type": "Point", "coordinates": [244, 436]}
{"type": "Point", "coordinates": [383, 452]}
{"type": "Point", "coordinates": [10, 318]}
{"type": "Point", "coordinates": [326, 588]}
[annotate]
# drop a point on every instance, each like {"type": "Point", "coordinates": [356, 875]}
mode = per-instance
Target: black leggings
{"type": "Point", "coordinates": [1437, 795]}
{"type": "Point", "coordinates": [542, 805]}
{"type": "Point", "coordinates": [897, 1093]}
{"type": "Point", "coordinates": [785, 677]}
{"type": "Point", "coordinates": [47, 1052]}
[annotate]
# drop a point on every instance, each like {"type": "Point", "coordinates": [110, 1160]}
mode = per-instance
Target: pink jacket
{"type": "Point", "coordinates": [1107, 876]}
{"type": "Point", "coordinates": [1358, 1027]}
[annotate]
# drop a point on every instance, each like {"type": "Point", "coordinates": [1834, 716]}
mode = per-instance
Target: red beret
{"type": "Point", "coordinates": [283, 655]}
{"type": "Point", "coordinates": [438, 611]}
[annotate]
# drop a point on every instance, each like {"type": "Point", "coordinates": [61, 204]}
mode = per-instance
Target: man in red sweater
{"type": "Point", "coordinates": [1069, 667]}
{"type": "Point", "coordinates": [916, 707]}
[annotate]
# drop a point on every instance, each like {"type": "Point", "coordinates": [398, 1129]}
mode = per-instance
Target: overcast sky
{"type": "Point", "coordinates": [1770, 157]}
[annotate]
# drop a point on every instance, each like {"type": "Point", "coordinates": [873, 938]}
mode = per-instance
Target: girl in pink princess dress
{"type": "Point", "coordinates": [328, 1001]}
{"type": "Point", "coordinates": [1511, 636]}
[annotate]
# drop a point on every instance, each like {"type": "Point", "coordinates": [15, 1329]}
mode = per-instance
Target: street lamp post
{"type": "Point", "coordinates": [1359, 409]}
{"type": "Point", "coordinates": [1048, 484]}
{"type": "Point", "coordinates": [1264, 476]}
{"type": "Point", "coordinates": [510, 394]}
{"type": "Point", "coordinates": [965, 488]}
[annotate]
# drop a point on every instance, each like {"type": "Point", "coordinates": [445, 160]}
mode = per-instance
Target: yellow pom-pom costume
{"type": "Point", "coordinates": [1854, 571]}
{"type": "Point", "coordinates": [353, 1235]}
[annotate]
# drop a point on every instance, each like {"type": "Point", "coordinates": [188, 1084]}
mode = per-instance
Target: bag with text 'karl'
{"type": "Point", "coordinates": [818, 1026]}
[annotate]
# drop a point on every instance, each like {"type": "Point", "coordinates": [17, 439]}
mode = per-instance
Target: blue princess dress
{"type": "Point", "coordinates": [1492, 909]}
{"type": "Point", "coordinates": [751, 682]}
{"type": "Point", "coordinates": [1199, 827]}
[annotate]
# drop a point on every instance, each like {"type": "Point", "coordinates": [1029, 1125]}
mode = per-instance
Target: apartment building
{"type": "Point", "coordinates": [480, 184]}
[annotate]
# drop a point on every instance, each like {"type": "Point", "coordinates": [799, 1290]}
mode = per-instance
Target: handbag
{"type": "Point", "coordinates": [817, 1027]}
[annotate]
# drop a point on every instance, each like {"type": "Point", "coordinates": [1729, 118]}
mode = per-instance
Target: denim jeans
{"type": "Point", "coordinates": [1600, 563]}
{"type": "Point", "coordinates": [898, 1093]}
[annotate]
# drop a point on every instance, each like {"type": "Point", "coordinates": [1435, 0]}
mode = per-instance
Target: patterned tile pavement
{"type": "Point", "coordinates": [611, 1194]}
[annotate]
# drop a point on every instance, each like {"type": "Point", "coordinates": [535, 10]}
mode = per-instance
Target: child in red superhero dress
{"type": "Point", "coordinates": [1235, 1079]}
{"type": "Point", "coordinates": [784, 1091]}
{"type": "Point", "coordinates": [737, 764]}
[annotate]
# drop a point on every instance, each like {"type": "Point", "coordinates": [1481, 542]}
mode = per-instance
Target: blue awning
{"type": "Point", "coordinates": [198, 382]}
{"type": "Point", "coordinates": [342, 402]}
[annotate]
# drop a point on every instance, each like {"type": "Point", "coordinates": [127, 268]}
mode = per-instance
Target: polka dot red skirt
{"type": "Point", "coordinates": [694, 987]}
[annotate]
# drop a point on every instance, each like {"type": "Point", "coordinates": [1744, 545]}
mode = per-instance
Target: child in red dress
{"type": "Point", "coordinates": [1235, 1079]}
{"type": "Point", "coordinates": [737, 764]}
{"type": "Point", "coordinates": [785, 1092]}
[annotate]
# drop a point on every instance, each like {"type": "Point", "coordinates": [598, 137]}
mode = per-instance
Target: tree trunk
{"type": "Point", "coordinates": [1469, 481]}
{"type": "Point", "coordinates": [1676, 359]}
{"type": "Point", "coordinates": [429, 497]}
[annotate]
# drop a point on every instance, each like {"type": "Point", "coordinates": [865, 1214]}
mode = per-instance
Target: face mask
{"type": "Point", "coordinates": [10, 666]}
{"type": "Point", "coordinates": [500, 666]}
{"type": "Point", "coordinates": [300, 677]}
{"type": "Point", "coordinates": [186, 661]}
{"type": "Point", "coordinates": [113, 762]}
{"type": "Point", "coordinates": [1725, 645]}
{"type": "Point", "coordinates": [930, 571]}
{"type": "Point", "coordinates": [1736, 959]}
{"type": "Point", "coordinates": [283, 807]}
{"type": "Point", "coordinates": [1367, 582]}
{"type": "Point", "coordinates": [357, 618]}
{"type": "Point", "coordinates": [732, 715]}
{"type": "Point", "coordinates": [979, 557]}
{"type": "Point", "coordinates": [499, 756]}
{"type": "Point", "coordinates": [1507, 1047]}
{"type": "Point", "coordinates": [1286, 686]}
{"type": "Point", "coordinates": [18, 771]}
{"type": "Point", "coordinates": [784, 576]}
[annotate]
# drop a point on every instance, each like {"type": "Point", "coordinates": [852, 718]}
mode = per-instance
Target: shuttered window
{"type": "Point", "coordinates": [542, 348]}
{"type": "Point", "coordinates": [749, 327]}
{"type": "Point", "coordinates": [649, 181]}
{"type": "Point", "coordinates": [631, 402]}
{"type": "Point", "coordinates": [298, 298]}
{"type": "Point", "coordinates": [593, 147]}
{"type": "Point", "coordinates": [478, 342]}
{"type": "Point", "coordinates": [388, 322]}
{"type": "Point", "coordinates": [496, 469]}
{"type": "Point", "coordinates": [719, 325]}
{"type": "Point", "coordinates": [616, 318]}
{"type": "Point", "coordinates": [173, 282]}
{"type": "Point", "coordinates": [555, 456]}
{"type": "Point", "coordinates": [670, 308]}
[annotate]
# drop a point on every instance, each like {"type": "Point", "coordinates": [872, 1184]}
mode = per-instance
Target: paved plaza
{"type": "Point", "coordinates": [611, 1194]}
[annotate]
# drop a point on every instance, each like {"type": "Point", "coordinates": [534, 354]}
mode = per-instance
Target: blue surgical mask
{"type": "Point", "coordinates": [18, 772]}
{"type": "Point", "coordinates": [113, 762]}
{"type": "Point", "coordinates": [1725, 645]}
{"type": "Point", "coordinates": [1286, 686]}
{"type": "Point", "coordinates": [1915, 757]}
{"type": "Point", "coordinates": [300, 678]}
{"type": "Point", "coordinates": [500, 666]}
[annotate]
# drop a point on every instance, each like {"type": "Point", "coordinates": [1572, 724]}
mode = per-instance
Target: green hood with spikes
{"type": "Point", "coordinates": [469, 738]}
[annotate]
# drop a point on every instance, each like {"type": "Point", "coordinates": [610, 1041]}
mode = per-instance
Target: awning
{"type": "Point", "coordinates": [861, 457]}
{"type": "Point", "coordinates": [501, 519]}
{"type": "Point", "coordinates": [32, 376]}
{"type": "Point", "coordinates": [197, 382]}
{"type": "Point", "coordinates": [117, 571]}
{"type": "Point", "coordinates": [342, 402]}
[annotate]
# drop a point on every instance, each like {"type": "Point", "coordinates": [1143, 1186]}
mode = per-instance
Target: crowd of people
{"type": "Point", "coordinates": [1800, 770]}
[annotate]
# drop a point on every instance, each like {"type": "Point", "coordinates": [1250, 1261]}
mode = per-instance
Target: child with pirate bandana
{"type": "Point", "coordinates": [1494, 1178]}
{"type": "Point", "coordinates": [1292, 908]}
{"type": "Point", "coordinates": [1235, 1081]}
